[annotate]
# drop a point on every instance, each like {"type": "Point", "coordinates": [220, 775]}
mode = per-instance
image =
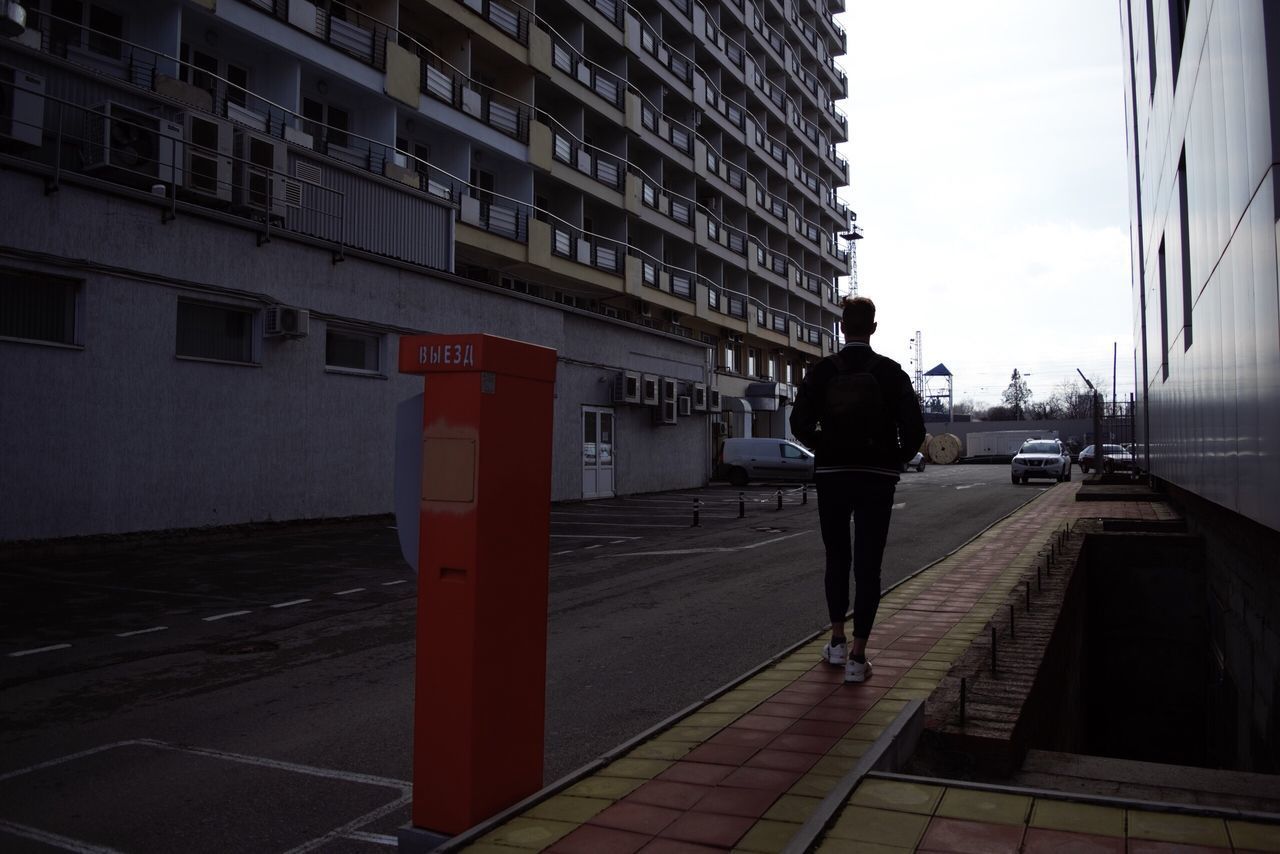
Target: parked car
{"type": "Point", "coordinates": [917, 463]}
{"type": "Point", "coordinates": [1114, 458]}
{"type": "Point", "coordinates": [743, 460]}
{"type": "Point", "coordinates": [1041, 458]}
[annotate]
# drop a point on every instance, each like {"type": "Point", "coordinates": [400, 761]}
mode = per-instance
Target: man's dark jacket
{"type": "Point", "coordinates": [901, 408]}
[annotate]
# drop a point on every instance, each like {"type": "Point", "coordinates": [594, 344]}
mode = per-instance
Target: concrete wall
{"type": "Point", "coordinates": [120, 435]}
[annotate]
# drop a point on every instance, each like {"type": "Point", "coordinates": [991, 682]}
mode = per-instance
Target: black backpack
{"type": "Point", "coordinates": [854, 411]}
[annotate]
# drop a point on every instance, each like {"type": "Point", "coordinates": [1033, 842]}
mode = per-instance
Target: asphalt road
{"type": "Point", "coordinates": [256, 693]}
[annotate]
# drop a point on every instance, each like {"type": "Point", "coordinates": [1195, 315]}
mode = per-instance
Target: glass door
{"type": "Point", "coordinates": [597, 452]}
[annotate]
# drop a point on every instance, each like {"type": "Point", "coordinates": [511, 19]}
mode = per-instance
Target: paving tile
{"type": "Point", "coordinates": [814, 785]}
{"type": "Point", "coordinates": [569, 808]}
{"type": "Point", "coordinates": [705, 718]}
{"type": "Point", "coordinates": [707, 828]}
{"type": "Point", "coordinates": [661, 750]}
{"type": "Point", "coordinates": [971, 837]}
{"type": "Point", "coordinates": [828, 728]}
{"type": "Point", "coordinates": [604, 787]}
{"type": "Point", "coordinates": [741, 737]}
{"type": "Point", "coordinates": [681, 732]}
{"type": "Point", "coordinates": [824, 712]}
{"type": "Point", "coordinates": [590, 839]}
{"type": "Point", "coordinates": [792, 808]}
{"type": "Point", "coordinates": [722, 754]}
{"type": "Point", "coordinates": [636, 817]}
{"type": "Point", "coordinates": [1170, 827]}
{"type": "Point", "coordinates": [781, 709]}
{"type": "Point", "coordinates": [835, 766]}
{"type": "Point", "coordinates": [768, 723]}
{"type": "Point", "coordinates": [850, 748]}
{"type": "Point", "coordinates": [1041, 841]}
{"type": "Point", "coordinates": [767, 837]}
{"type": "Point", "coordinates": [636, 769]}
{"type": "Point", "coordinates": [804, 743]}
{"type": "Point", "coordinates": [1154, 846]}
{"type": "Point", "coordinates": [676, 846]}
{"type": "Point", "coordinates": [897, 795]}
{"type": "Point", "coordinates": [663, 793]}
{"type": "Point", "coordinates": [861, 824]}
{"type": "Point", "coordinates": [762, 778]}
{"type": "Point", "coordinates": [977, 805]}
{"type": "Point", "coordinates": [533, 833]}
{"type": "Point", "coordinates": [865, 732]}
{"type": "Point", "coordinates": [1254, 836]}
{"type": "Point", "coordinates": [783, 760]}
{"type": "Point", "coordinates": [731, 800]}
{"type": "Point", "coordinates": [1079, 818]}
{"type": "Point", "coordinates": [695, 772]}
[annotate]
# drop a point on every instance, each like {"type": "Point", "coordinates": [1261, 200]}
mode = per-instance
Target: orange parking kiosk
{"type": "Point", "coordinates": [482, 575]}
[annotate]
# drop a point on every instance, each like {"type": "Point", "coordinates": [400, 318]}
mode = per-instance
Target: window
{"type": "Point", "coordinates": [38, 308]}
{"type": "Point", "coordinates": [221, 333]}
{"type": "Point", "coordinates": [753, 359]}
{"type": "Point", "coordinates": [1188, 295]}
{"type": "Point", "coordinates": [87, 26]}
{"type": "Point", "coordinates": [327, 122]}
{"type": "Point", "coordinates": [1164, 317]}
{"type": "Point", "coordinates": [729, 357]}
{"type": "Point", "coordinates": [350, 351]}
{"type": "Point", "coordinates": [203, 70]}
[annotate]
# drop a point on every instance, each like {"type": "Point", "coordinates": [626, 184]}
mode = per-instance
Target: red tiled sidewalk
{"type": "Point", "coordinates": [745, 771]}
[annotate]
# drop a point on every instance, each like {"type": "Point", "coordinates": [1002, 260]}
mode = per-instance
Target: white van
{"type": "Point", "coordinates": [743, 460]}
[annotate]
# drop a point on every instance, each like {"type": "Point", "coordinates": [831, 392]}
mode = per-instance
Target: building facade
{"type": "Point", "coordinates": [1203, 108]}
{"type": "Point", "coordinates": [220, 214]}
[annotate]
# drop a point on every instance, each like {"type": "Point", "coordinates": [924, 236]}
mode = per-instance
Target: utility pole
{"type": "Point", "coordinates": [918, 355]}
{"type": "Point", "coordinates": [1097, 423]}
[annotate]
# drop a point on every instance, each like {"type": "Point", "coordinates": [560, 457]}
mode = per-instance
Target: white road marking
{"type": "Point", "coordinates": [54, 840]}
{"type": "Point", "coordinates": [615, 542]}
{"type": "Point", "coordinates": [592, 546]}
{"type": "Point", "coordinates": [375, 838]}
{"type": "Point", "coordinates": [713, 550]}
{"type": "Point", "coordinates": [899, 505]}
{"type": "Point", "coordinates": [349, 592]}
{"type": "Point", "coordinates": [565, 552]}
{"type": "Point", "coordinates": [224, 616]}
{"type": "Point", "coordinates": [391, 583]}
{"type": "Point", "coordinates": [971, 485]}
{"type": "Point", "coordinates": [141, 631]}
{"type": "Point", "coordinates": [290, 603]}
{"type": "Point", "coordinates": [38, 650]}
{"type": "Point", "coordinates": [617, 539]}
{"type": "Point", "coordinates": [351, 826]}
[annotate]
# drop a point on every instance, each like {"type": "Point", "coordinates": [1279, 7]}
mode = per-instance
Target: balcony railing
{"type": "Point", "coordinates": [680, 136]}
{"type": "Point", "coordinates": [669, 58]}
{"type": "Point", "coordinates": [603, 83]}
{"type": "Point", "coordinates": [589, 160]}
{"type": "Point", "coordinates": [511, 19]}
{"type": "Point", "coordinates": [611, 10]}
{"type": "Point", "coordinates": [445, 83]}
{"type": "Point", "coordinates": [591, 250]}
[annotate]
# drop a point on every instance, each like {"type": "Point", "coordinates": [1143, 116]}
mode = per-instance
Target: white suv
{"type": "Point", "coordinates": [1041, 458]}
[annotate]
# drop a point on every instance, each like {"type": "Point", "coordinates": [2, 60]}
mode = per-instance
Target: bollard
{"type": "Point", "coordinates": [742, 506]}
{"type": "Point", "coordinates": [1012, 634]}
{"type": "Point", "coordinates": [779, 499]}
{"type": "Point", "coordinates": [804, 494]}
{"type": "Point", "coordinates": [697, 505]}
{"type": "Point", "coordinates": [962, 692]}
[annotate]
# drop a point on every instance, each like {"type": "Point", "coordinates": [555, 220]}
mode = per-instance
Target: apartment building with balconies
{"type": "Point", "coordinates": [649, 187]}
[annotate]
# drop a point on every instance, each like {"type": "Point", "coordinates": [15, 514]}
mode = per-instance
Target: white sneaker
{"type": "Point", "coordinates": [835, 653]}
{"type": "Point", "coordinates": [857, 671]}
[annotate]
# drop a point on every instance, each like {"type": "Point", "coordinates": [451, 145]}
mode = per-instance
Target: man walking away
{"type": "Point", "coordinates": [858, 413]}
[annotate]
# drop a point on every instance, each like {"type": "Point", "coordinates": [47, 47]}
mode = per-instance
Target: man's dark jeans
{"type": "Point", "coordinates": [868, 498]}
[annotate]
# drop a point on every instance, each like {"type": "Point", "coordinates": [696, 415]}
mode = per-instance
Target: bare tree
{"type": "Point", "coordinates": [1017, 395]}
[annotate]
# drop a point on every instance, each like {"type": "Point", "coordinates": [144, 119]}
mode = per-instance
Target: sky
{"type": "Point", "coordinates": [987, 170]}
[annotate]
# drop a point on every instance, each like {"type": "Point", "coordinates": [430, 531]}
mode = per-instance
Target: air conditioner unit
{"type": "Point", "coordinates": [649, 390]}
{"type": "Point", "coordinates": [626, 387]}
{"type": "Point", "coordinates": [713, 400]}
{"type": "Point", "coordinates": [21, 106]}
{"type": "Point", "coordinates": [610, 311]}
{"type": "Point", "coordinates": [206, 158]}
{"type": "Point", "coordinates": [287, 321]}
{"type": "Point", "coordinates": [684, 405]}
{"type": "Point", "coordinates": [126, 140]}
{"type": "Point", "coordinates": [258, 173]}
{"type": "Point", "coordinates": [698, 391]}
{"type": "Point", "coordinates": [668, 390]}
{"type": "Point", "coordinates": [665, 413]}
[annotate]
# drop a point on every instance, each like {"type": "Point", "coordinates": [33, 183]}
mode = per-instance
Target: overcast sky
{"type": "Point", "coordinates": [987, 168]}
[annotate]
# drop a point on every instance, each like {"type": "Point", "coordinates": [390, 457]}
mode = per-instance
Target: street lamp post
{"type": "Point", "coordinates": [1097, 423]}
